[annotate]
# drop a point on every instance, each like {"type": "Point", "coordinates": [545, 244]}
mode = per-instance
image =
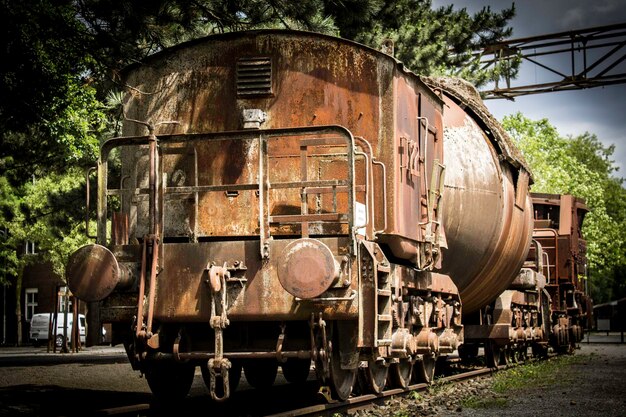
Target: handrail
{"type": "Point", "coordinates": [262, 135]}
{"type": "Point", "coordinates": [368, 208]}
{"type": "Point", "coordinates": [545, 254]}
{"type": "Point", "coordinates": [556, 247]}
{"type": "Point", "coordinates": [369, 175]}
{"type": "Point", "coordinates": [263, 247]}
{"type": "Point", "coordinates": [384, 168]}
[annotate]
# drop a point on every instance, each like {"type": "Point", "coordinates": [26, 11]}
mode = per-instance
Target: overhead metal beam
{"type": "Point", "coordinates": [596, 59]}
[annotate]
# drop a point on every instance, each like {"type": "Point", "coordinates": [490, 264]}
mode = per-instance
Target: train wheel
{"type": "Point", "coordinates": [467, 352]}
{"type": "Point", "coordinates": [523, 353]}
{"type": "Point", "coordinates": [341, 380]}
{"type": "Point", "coordinates": [493, 353]}
{"type": "Point", "coordinates": [341, 336]}
{"type": "Point", "coordinates": [540, 351]}
{"type": "Point", "coordinates": [296, 370]}
{"type": "Point", "coordinates": [373, 377]}
{"type": "Point", "coordinates": [510, 355]}
{"type": "Point", "coordinates": [425, 369]}
{"type": "Point", "coordinates": [169, 381]}
{"type": "Point", "coordinates": [400, 373]}
{"type": "Point", "coordinates": [234, 376]}
{"type": "Point", "coordinates": [260, 373]}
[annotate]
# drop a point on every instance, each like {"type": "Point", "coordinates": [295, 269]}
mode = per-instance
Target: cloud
{"type": "Point", "coordinates": [578, 14]}
{"type": "Point", "coordinates": [573, 18]}
{"type": "Point", "coordinates": [608, 6]}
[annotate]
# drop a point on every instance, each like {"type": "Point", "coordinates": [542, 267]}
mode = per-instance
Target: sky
{"type": "Point", "coordinates": [601, 110]}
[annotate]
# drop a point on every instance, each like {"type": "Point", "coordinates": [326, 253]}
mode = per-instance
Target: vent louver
{"type": "Point", "coordinates": [254, 76]}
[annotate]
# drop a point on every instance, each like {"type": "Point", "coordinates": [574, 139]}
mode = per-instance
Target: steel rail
{"type": "Point", "coordinates": [363, 400]}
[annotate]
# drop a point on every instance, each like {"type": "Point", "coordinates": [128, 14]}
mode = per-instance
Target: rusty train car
{"type": "Point", "coordinates": [282, 199]}
{"type": "Point", "coordinates": [558, 230]}
{"type": "Point", "coordinates": [547, 304]}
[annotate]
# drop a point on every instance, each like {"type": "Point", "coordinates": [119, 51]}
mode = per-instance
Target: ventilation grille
{"type": "Point", "coordinates": [254, 76]}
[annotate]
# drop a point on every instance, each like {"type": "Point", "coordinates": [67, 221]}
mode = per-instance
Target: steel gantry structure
{"type": "Point", "coordinates": [595, 54]}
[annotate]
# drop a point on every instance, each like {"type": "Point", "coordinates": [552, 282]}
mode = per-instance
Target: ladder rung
{"type": "Point", "coordinates": [383, 342]}
{"type": "Point", "coordinates": [384, 293]}
{"type": "Point", "coordinates": [383, 268]}
{"type": "Point", "coordinates": [384, 317]}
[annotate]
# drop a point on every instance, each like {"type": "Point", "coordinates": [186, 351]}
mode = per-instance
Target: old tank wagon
{"type": "Point", "coordinates": [546, 305]}
{"type": "Point", "coordinates": [285, 198]}
{"type": "Point", "coordinates": [487, 217]}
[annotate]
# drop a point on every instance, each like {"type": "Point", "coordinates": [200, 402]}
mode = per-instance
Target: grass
{"type": "Point", "coordinates": [536, 374]}
{"type": "Point", "coordinates": [415, 396]}
{"type": "Point", "coordinates": [483, 403]}
{"type": "Point", "coordinates": [539, 374]}
{"type": "Point", "coordinates": [494, 394]}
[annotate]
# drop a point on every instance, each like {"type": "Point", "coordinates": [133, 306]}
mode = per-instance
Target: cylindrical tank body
{"type": "Point", "coordinates": [487, 210]}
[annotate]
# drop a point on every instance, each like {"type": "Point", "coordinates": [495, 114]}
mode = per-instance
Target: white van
{"type": "Point", "coordinates": [39, 326]}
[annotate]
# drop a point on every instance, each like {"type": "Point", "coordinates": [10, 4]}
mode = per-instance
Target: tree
{"type": "Point", "coordinates": [581, 166]}
{"type": "Point", "coordinates": [55, 47]}
{"type": "Point", "coordinates": [425, 37]}
{"type": "Point", "coordinates": [61, 59]}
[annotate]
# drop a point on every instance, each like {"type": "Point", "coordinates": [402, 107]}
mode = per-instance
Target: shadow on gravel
{"type": "Point", "coordinates": [52, 400]}
{"type": "Point", "coordinates": [250, 403]}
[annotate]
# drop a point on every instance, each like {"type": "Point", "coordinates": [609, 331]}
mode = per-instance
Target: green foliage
{"type": "Point", "coordinates": [415, 396]}
{"type": "Point", "coordinates": [46, 211]}
{"type": "Point", "coordinates": [71, 137]}
{"type": "Point", "coordinates": [44, 105]}
{"type": "Point", "coordinates": [509, 382]}
{"type": "Point", "coordinates": [54, 46]}
{"type": "Point", "coordinates": [424, 37]}
{"type": "Point", "coordinates": [41, 184]}
{"type": "Point", "coordinates": [484, 402]}
{"type": "Point", "coordinates": [581, 166]}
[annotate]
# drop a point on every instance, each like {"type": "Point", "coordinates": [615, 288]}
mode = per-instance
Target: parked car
{"type": "Point", "coordinates": [39, 327]}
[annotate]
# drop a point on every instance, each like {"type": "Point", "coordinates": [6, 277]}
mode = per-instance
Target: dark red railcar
{"type": "Point", "coordinates": [558, 229]}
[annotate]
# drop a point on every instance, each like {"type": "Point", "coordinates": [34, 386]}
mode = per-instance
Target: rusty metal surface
{"type": "Point", "coordinates": [558, 224]}
{"type": "Point", "coordinates": [92, 273]}
{"type": "Point", "coordinates": [328, 81]}
{"type": "Point", "coordinates": [418, 142]}
{"type": "Point", "coordinates": [497, 332]}
{"type": "Point", "coordinates": [254, 293]}
{"type": "Point", "coordinates": [307, 268]}
{"type": "Point", "coordinates": [327, 74]}
{"type": "Point", "coordinates": [464, 92]}
{"type": "Point", "coordinates": [488, 235]}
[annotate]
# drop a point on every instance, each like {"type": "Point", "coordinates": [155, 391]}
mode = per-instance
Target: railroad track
{"type": "Point", "coordinates": [325, 408]}
{"type": "Point", "coordinates": [363, 400]}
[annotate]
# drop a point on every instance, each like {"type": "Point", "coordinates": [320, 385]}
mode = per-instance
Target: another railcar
{"type": "Point", "coordinates": [558, 229]}
{"type": "Point", "coordinates": [488, 219]}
